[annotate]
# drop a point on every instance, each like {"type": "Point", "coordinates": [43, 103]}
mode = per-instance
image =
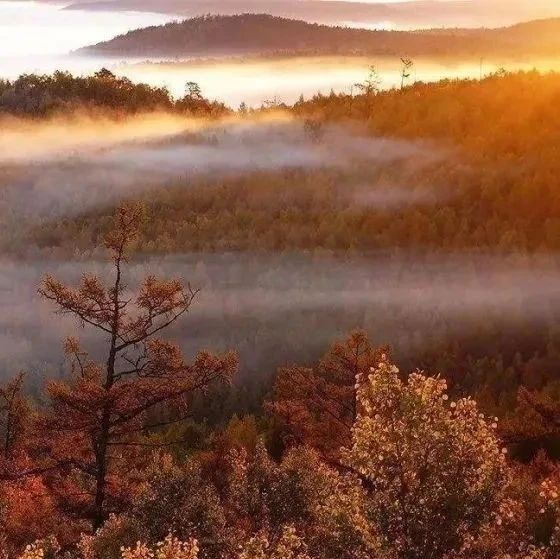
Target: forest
{"type": "Point", "coordinates": [262, 33]}
{"type": "Point", "coordinates": [479, 176]}
{"type": "Point", "coordinates": [37, 96]}
{"type": "Point", "coordinates": [362, 362]}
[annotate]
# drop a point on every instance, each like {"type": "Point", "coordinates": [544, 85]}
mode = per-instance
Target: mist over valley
{"type": "Point", "coordinates": [279, 279]}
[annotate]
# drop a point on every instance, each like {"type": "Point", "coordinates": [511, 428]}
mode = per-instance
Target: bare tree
{"type": "Point", "coordinates": [370, 86]}
{"type": "Point", "coordinates": [406, 69]}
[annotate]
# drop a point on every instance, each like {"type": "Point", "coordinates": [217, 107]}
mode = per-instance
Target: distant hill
{"type": "Point", "coordinates": [407, 15]}
{"type": "Point", "coordinates": [262, 34]}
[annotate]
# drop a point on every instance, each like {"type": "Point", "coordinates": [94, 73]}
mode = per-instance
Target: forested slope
{"type": "Point", "coordinates": [487, 181]}
{"type": "Point", "coordinates": [457, 187]}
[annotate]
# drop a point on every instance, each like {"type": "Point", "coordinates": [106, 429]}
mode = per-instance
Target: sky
{"type": "Point", "coordinates": [29, 28]}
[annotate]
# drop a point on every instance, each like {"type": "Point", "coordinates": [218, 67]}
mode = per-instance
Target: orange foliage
{"type": "Point", "coordinates": [317, 406]}
{"type": "Point", "coordinates": [92, 430]}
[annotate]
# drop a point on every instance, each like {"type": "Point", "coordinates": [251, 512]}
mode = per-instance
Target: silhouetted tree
{"type": "Point", "coordinates": [407, 65]}
{"type": "Point", "coordinates": [371, 84]}
{"type": "Point", "coordinates": [192, 89]}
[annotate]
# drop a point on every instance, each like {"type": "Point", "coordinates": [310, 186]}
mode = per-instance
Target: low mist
{"type": "Point", "coordinates": [64, 168]}
{"type": "Point", "coordinates": [273, 309]}
{"type": "Point", "coordinates": [257, 80]}
{"type": "Point", "coordinates": [280, 309]}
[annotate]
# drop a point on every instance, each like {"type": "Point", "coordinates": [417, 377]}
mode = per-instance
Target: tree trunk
{"type": "Point", "coordinates": [101, 458]}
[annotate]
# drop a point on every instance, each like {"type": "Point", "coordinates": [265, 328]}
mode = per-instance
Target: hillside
{"type": "Point", "coordinates": [261, 33]}
{"type": "Point", "coordinates": [506, 127]}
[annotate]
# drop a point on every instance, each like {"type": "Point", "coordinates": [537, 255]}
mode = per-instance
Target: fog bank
{"type": "Point", "coordinates": [64, 168]}
{"type": "Point", "coordinates": [279, 309]}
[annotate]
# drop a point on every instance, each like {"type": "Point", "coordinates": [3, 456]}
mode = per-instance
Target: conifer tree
{"type": "Point", "coordinates": [95, 421]}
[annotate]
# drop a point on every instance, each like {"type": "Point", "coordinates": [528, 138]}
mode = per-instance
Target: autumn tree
{"type": "Point", "coordinates": [317, 406]}
{"type": "Point", "coordinates": [535, 424]}
{"type": "Point", "coordinates": [27, 509]}
{"type": "Point", "coordinates": [169, 548]}
{"type": "Point", "coordinates": [434, 467]}
{"type": "Point", "coordinates": [526, 525]}
{"type": "Point", "coordinates": [326, 506]}
{"type": "Point", "coordinates": [181, 498]}
{"type": "Point", "coordinates": [287, 545]}
{"type": "Point", "coordinates": [95, 420]}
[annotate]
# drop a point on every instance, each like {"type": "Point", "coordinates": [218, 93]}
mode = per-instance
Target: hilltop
{"type": "Point", "coordinates": [262, 33]}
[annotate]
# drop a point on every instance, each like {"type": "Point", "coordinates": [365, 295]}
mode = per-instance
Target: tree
{"type": "Point", "coordinates": [407, 65]}
{"type": "Point", "coordinates": [536, 423]}
{"type": "Point", "coordinates": [287, 545]}
{"type": "Point", "coordinates": [370, 85]}
{"type": "Point", "coordinates": [14, 415]}
{"type": "Point", "coordinates": [181, 499]}
{"type": "Point", "coordinates": [192, 90]}
{"type": "Point", "coordinates": [169, 548]}
{"type": "Point", "coordinates": [314, 130]}
{"type": "Point", "coordinates": [95, 420]}
{"type": "Point", "coordinates": [317, 406]}
{"type": "Point", "coordinates": [105, 74]}
{"type": "Point", "coordinates": [435, 468]}
{"type": "Point", "coordinates": [326, 505]}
